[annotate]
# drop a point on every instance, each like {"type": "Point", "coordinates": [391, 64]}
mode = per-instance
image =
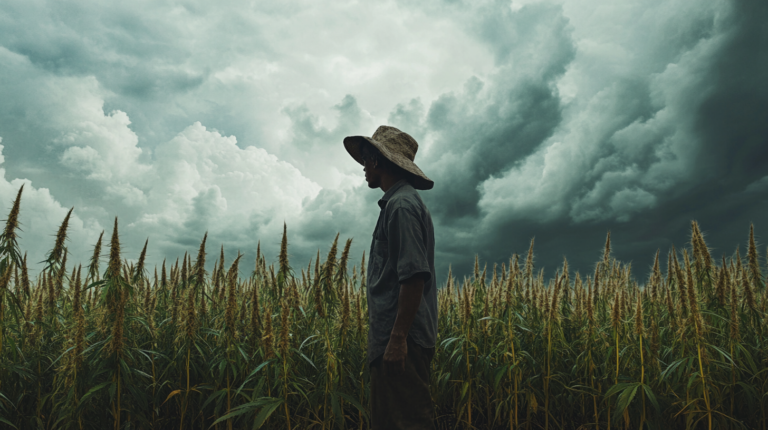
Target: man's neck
{"type": "Point", "coordinates": [388, 181]}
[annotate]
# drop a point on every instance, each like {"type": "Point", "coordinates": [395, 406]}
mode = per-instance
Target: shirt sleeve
{"type": "Point", "coordinates": [407, 242]}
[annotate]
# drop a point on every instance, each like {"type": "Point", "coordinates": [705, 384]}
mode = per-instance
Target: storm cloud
{"type": "Point", "coordinates": [555, 120]}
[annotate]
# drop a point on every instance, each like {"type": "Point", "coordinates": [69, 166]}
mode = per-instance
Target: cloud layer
{"type": "Point", "coordinates": [546, 119]}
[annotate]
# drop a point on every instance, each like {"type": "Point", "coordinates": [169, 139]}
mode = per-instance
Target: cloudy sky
{"type": "Point", "coordinates": [559, 120]}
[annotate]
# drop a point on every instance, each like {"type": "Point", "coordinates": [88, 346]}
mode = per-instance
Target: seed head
{"type": "Point", "coordinates": [200, 263]}
{"type": "Point", "coordinates": [616, 313]}
{"type": "Point", "coordinates": [553, 314]}
{"type": "Point", "coordinates": [734, 313]}
{"type": "Point", "coordinates": [655, 342]}
{"type": "Point", "coordinates": [59, 279]}
{"type": "Point", "coordinates": [683, 292]}
{"type": "Point", "coordinates": [344, 310]}
{"type": "Point", "coordinates": [359, 314]}
{"type": "Point", "coordinates": [184, 274]}
{"type": "Point", "coordinates": [749, 295]}
{"type": "Point", "coordinates": [255, 315]}
{"type": "Point", "coordinates": [174, 303]}
{"type": "Point", "coordinates": [596, 282]}
{"type": "Point", "coordinates": [362, 273]}
{"type": "Point", "coordinates": [285, 312]}
{"type": "Point", "coordinates": [283, 259]}
{"type": "Point", "coordinates": [754, 265]}
{"type": "Point", "coordinates": [669, 269]}
{"type": "Point", "coordinates": [342, 271]}
{"type": "Point", "coordinates": [230, 314]}
{"type": "Point", "coordinates": [116, 346]}
{"type": "Point", "coordinates": [529, 262]}
{"type": "Point", "coordinates": [704, 251]}
{"type": "Point", "coordinates": [113, 269]}
{"type": "Point", "coordinates": [267, 340]}
{"type": "Point", "coordinates": [670, 304]}
{"type": "Point", "coordinates": [191, 317]}
{"type": "Point", "coordinates": [138, 275]}
{"type": "Point", "coordinates": [697, 257]}
{"type": "Point", "coordinates": [12, 223]}
{"type": "Point", "coordinates": [61, 236]}
{"type": "Point", "coordinates": [695, 316]}
{"type": "Point", "coordinates": [639, 328]}
{"type": "Point", "coordinates": [590, 300]}
{"type": "Point", "coordinates": [319, 298]}
{"type": "Point", "coordinates": [655, 278]}
{"type": "Point", "coordinates": [720, 289]}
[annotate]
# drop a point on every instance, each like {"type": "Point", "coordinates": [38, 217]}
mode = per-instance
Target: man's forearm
{"type": "Point", "coordinates": [408, 303]}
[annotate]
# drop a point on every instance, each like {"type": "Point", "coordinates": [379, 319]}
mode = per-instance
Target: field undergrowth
{"type": "Point", "coordinates": [126, 346]}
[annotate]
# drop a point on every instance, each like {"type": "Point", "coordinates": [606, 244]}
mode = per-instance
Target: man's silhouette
{"type": "Point", "coordinates": [402, 291]}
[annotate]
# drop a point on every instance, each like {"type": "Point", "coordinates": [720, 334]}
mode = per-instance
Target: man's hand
{"type": "Point", "coordinates": [394, 356]}
{"type": "Point", "coordinates": [408, 303]}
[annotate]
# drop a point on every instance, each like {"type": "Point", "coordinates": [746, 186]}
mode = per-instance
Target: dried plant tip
{"type": "Point", "coordinates": [283, 259]}
{"type": "Point", "coordinates": [200, 263]}
{"type": "Point", "coordinates": [285, 313]}
{"type": "Point", "coordinates": [12, 222]}
{"type": "Point", "coordinates": [113, 269]}
{"type": "Point", "coordinates": [639, 327]}
{"type": "Point", "coordinates": [754, 265]}
{"type": "Point", "coordinates": [267, 339]}
{"type": "Point", "coordinates": [61, 235]}
{"type": "Point", "coordinates": [749, 295]}
{"type": "Point", "coordinates": [607, 250]}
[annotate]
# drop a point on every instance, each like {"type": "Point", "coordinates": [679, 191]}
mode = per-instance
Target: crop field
{"type": "Point", "coordinates": [126, 346]}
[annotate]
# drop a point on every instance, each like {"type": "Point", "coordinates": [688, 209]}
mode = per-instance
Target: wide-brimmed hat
{"type": "Point", "coordinates": [399, 147]}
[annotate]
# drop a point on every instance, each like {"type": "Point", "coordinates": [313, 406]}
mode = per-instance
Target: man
{"type": "Point", "coordinates": [402, 291]}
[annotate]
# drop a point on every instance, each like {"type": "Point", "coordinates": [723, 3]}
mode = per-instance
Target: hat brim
{"type": "Point", "coordinates": [419, 180]}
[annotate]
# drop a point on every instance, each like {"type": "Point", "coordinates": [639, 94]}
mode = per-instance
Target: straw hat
{"type": "Point", "coordinates": [399, 147]}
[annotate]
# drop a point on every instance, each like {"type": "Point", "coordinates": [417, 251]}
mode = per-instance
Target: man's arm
{"type": "Point", "coordinates": [408, 303]}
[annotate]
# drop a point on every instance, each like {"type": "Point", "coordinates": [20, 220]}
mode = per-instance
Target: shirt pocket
{"type": "Point", "coordinates": [378, 260]}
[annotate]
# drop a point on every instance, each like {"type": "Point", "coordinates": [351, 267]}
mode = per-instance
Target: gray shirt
{"type": "Point", "coordinates": [403, 245]}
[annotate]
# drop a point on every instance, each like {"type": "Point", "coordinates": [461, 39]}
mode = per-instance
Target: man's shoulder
{"type": "Point", "coordinates": [405, 197]}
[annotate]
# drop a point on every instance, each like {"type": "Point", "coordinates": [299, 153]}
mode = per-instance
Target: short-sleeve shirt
{"type": "Point", "coordinates": [403, 246]}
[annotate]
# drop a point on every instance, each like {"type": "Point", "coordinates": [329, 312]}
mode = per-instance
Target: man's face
{"type": "Point", "coordinates": [372, 173]}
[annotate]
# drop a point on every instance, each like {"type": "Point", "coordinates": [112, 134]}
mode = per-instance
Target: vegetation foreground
{"type": "Point", "coordinates": [286, 349]}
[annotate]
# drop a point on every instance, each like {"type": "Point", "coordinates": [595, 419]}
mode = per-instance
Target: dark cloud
{"type": "Point", "coordinates": [490, 126]}
{"type": "Point", "coordinates": [720, 110]}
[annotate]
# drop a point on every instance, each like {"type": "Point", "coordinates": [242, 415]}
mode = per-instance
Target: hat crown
{"type": "Point", "coordinates": [396, 141]}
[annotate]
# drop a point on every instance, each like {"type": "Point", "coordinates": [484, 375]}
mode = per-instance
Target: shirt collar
{"type": "Point", "coordinates": [390, 192]}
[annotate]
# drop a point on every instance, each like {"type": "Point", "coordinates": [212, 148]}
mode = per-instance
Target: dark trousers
{"type": "Point", "coordinates": [403, 402]}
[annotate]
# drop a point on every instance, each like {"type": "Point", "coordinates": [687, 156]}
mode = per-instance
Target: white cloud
{"type": "Point", "coordinates": [40, 216]}
{"type": "Point", "coordinates": [203, 180]}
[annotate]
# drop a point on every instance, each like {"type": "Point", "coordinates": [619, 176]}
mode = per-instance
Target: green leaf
{"type": "Point", "coordinates": [354, 403]}
{"type": "Point", "coordinates": [337, 410]}
{"type": "Point", "coordinates": [250, 407]}
{"type": "Point", "coordinates": [499, 374]}
{"type": "Point", "coordinates": [3, 420]}
{"type": "Point", "coordinates": [652, 397]}
{"type": "Point", "coordinates": [266, 411]}
{"type": "Point", "coordinates": [617, 388]}
{"type": "Point", "coordinates": [91, 392]}
{"type": "Point", "coordinates": [305, 358]}
{"type": "Point", "coordinates": [626, 397]}
{"type": "Point", "coordinates": [239, 410]}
